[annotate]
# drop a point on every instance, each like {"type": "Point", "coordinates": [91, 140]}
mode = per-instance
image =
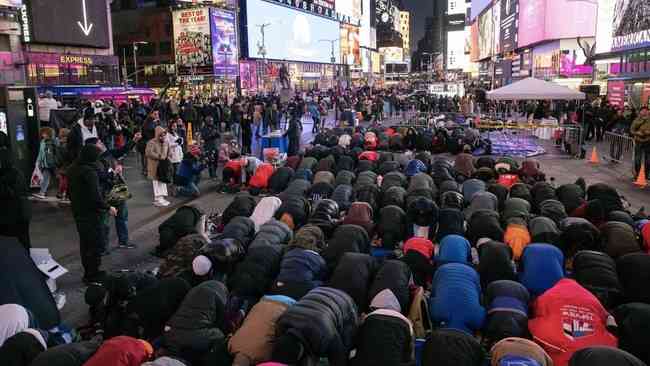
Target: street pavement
{"type": "Point", "coordinates": [53, 226]}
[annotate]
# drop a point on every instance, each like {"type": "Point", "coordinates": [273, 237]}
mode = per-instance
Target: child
{"type": "Point", "coordinates": [63, 161]}
{"type": "Point", "coordinates": [46, 160]}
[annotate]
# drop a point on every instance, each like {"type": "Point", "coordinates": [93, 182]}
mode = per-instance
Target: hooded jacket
{"type": "Point", "coordinates": [353, 275]}
{"type": "Point", "coordinates": [578, 234]}
{"type": "Point", "coordinates": [22, 348]}
{"type": "Point", "coordinates": [633, 321]}
{"type": "Point", "coordinates": [452, 347]}
{"type": "Point", "coordinates": [553, 209]}
{"type": "Point", "coordinates": [297, 207]}
{"type": "Point", "coordinates": [596, 272]}
{"type": "Point", "coordinates": [325, 216]}
{"type": "Point", "coordinates": [396, 276]}
{"type": "Point", "coordinates": [197, 324]}
{"type": "Point", "coordinates": [415, 167]}
{"type": "Point", "coordinates": [422, 182]}
{"type": "Point", "coordinates": [346, 239]}
{"type": "Point", "coordinates": [343, 195]}
{"type": "Point", "coordinates": [634, 274]}
{"type": "Point", "coordinates": [367, 178]}
{"type": "Point", "coordinates": [71, 354]}
{"type": "Point", "coordinates": [183, 222]}
{"type": "Point", "coordinates": [464, 165]}
{"type": "Point", "coordinates": [345, 163]}
{"type": "Point", "coordinates": [451, 221]}
{"type": "Point", "coordinates": [454, 249]}
{"type": "Point", "coordinates": [121, 351]}
{"type": "Point", "coordinates": [325, 322]}
{"type": "Point", "coordinates": [542, 191]}
{"type": "Point", "coordinates": [482, 201]}
{"type": "Point", "coordinates": [392, 226]}
{"type": "Point", "coordinates": [471, 187]}
{"type": "Point", "coordinates": [324, 177]}
{"type": "Point", "coordinates": [297, 188]}
{"type": "Point", "coordinates": [521, 190]}
{"type": "Point", "coordinates": [543, 230]}
{"type": "Point", "coordinates": [455, 298]}
{"type": "Point", "coordinates": [507, 310]}
{"type": "Point", "coordinates": [155, 152]}
{"type": "Point", "coordinates": [309, 237]}
{"type": "Point", "coordinates": [252, 343]}
{"type": "Point", "coordinates": [501, 192]}
{"type": "Point", "coordinates": [516, 208]}
{"type": "Point", "coordinates": [345, 177]}
{"type": "Point", "coordinates": [542, 266]}
{"type": "Point", "coordinates": [618, 239]}
{"type": "Point", "coordinates": [607, 195]}
{"type": "Point", "coordinates": [85, 194]}
{"type": "Point", "coordinates": [495, 263]}
{"type": "Point", "coordinates": [264, 211]}
{"type": "Point", "coordinates": [280, 179]}
{"type": "Point", "coordinates": [604, 356]}
{"type": "Point", "coordinates": [393, 196]}
{"type": "Point", "coordinates": [442, 170]}
{"type": "Point", "coordinates": [517, 236]}
{"type": "Point", "coordinates": [300, 271]}
{"type": "Point", "coordinates": [484, 224]}
{"type": "Point", "coordinates": [243, 204]}
{"type": "Point", "coordinates": [519, 347]}
{"type": "Point", "coordinates": [571, 195]}
{"type": "Point", "coordinates": [386, 336]}
{"type": "Point", "coordinates": [361, 214]}
{"type": "Point", "coordinates": [393, 179]}
{"type": "Point", "coordinates": [262, 176]}
{"type": "Point", "coordinates": [569, 318]}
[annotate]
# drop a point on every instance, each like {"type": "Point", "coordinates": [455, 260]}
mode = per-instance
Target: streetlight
{"type": "Point", "coordinates": [135, 58]}
{"type": "Point", "coordinates": [333, 58]}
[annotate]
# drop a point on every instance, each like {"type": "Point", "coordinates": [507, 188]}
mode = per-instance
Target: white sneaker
{"type": "Point", "coordinates": [159, 202]}
{"type": "Point", "coordinates": [40, 196]}
{"type": "Point", "coordinates": [165, 202]}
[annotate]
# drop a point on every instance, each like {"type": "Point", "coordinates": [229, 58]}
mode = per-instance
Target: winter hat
{"type": "Point", "coordinates": [288, 349]}
{"type": "Point", "coordinates": [386, 299]}
{"type": "Point", "coordinates": [164, 361]}
{"type": "Point", "coordinates": [195, 150]}
{"type": "Point", "coordinates": [148, 348]}
{"type": "Point", "coordinates": [201, 265]}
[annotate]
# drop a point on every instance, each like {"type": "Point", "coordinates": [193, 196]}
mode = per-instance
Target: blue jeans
{"type": "Point", "coordinates": [191, 189]}
{"type": "Point", "coordinates": [45, 182]}
{"type": "Point", "coordinates": [235, 129]}
{"type": "Point", "coordinates": [122, 223]}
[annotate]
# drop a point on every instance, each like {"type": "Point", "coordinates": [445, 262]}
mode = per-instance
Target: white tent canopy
{"type": "Point", "coordinates": [534, 89]}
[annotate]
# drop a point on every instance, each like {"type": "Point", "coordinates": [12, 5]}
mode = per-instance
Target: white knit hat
{"type": "Point", "coordinates": [201, 265]}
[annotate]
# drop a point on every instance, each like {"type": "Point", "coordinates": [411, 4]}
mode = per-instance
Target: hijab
{"type": "Point", "coordinates": [13, 320]}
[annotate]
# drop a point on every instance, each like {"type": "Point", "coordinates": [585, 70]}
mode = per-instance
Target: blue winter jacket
{"type": "Point", "coordinates": [303, 266]}
{"type": "Point", "coordinates": [542, 266]}
{"type": "Point", "coordinates": [188, 170]}
{"type": "Point", "coordinates": [455, 300]}
{"type": "Point", "coordinates": [454, 249]}
{"type": "Point", "coordinates": [414, 167]}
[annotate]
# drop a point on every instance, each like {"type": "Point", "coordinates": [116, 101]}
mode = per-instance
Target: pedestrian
{"type": "Point", "coordinates": [189, 173]}
{"type": "Point", "coordinates": [87, 206]}
{"type": "Point", "coordinates": [148, 131]}
{"type": "Point", "coordinates": [176, 142]}
{"type": "Point", "coordinates": [641, 133]}
{"type": "Point", "coordinates": [236, 117]}
{"type": "Point", "coordinates": [294, 132]}
{"type": "Point", "coordinates": [15, 214]}
{"type": "Point", "coordinates": [63, 161]}
{"type": "Point", "coordinates": [157, 151]}
{"type": "Point", "coordinates": [247, 132]}
{"type": "Point", "coordinates": [210, 136]}
{"type": "Point", "coordinates": [46, 160]}
{"type": "Point", "coordinates": [45, 105]}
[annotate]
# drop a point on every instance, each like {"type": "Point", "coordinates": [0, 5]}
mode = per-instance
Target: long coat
{"type": "Point", "coordinates": [155, 152]}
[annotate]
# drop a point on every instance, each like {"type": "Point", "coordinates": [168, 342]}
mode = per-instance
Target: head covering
{"type": "Point", "coordinates": [201, 265]}
{"type": "Point", "coordinates": [13, 319]}
{"type": "Point", "coordinates": [519, 347]}
{"type": "Point", "coordinates": [164, 361]}
{"type": "Point", "coordinates": [265, 210]}
{"type": "Point", "coordinates": [386, 299]}
{"type": "Point", "coordinates": [464, 164]}
{"type": "Point", "coordinates": [415, 166]}
{"type": "Point", "coordinates": [309, 237]}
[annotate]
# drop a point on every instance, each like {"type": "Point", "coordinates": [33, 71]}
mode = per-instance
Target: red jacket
{"type": "Point", "coordinates": [369, 155]}
{"type": "Point", "coordinates": [261, 178]}
{"type": "Point", "coordinates": [121, 351]}
{"type": "Point", "coordinates": [421, 245]}
{"type": "Point", "coordinates": [645, 234]}
{"type": "Point", "coordinates": [568, 318]}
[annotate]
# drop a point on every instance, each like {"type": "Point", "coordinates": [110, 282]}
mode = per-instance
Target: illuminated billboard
{"type": "Point", "coordinates": [541, 20]}
{"type": "Point", "coordinates": [622, 25]}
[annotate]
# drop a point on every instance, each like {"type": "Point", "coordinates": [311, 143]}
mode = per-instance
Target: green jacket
{"type": "Point", "coordinates": [641, 130]}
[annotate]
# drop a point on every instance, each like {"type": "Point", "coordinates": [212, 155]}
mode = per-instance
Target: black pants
{"type": "Point", "coordinates": [19, 231]}
{"type": "Point", "coordinates": [90, 239]}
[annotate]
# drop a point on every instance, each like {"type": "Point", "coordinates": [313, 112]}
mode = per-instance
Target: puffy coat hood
{"type": "Point", "coordinates": [423, 212]}
{"type": "Point", "coordinates": [482, 201]}
{"type": "Point", "coordinates": [414, 167]}
{"type": "Point", "coordinates": [471, 187]}
{"type": "Point", "coordinates": [346, 239]}
{"type": "Point", "coordinates": [519, 347]}
{"type": "Point", "coordinates": [239, 228]}
{"type": "Point", "coordinates": [454, 249]}
{"type": "Point", "coordinates": [495, 263]}
{"type": "Point", "coordinates": [464, 164]}
{"type": "Point", "coordinates": [324, 177]}
{"type": "Point", "coordinates": [542, 266]}
{"type": "Point", "coordinates": [121, 351]}
{"type": "Point", "coordinates": [634, 274]}
{"type": "Point", "coordinates": [242, 205]}
{"type": "Point", "coordinates": [265, 210]}
{"type": "Point", "coordinates": [71, 354]}
{"type": "Point", "coordinates": [386, 300]}
{"type": "Point", "coordinates": [345, 177]}
{"type": "Point", "coordinates": [633, 321]}
{"type": "Point", "coordinates": [596, 272]}
{"type": "Point", "coordinates": [343, 195]}
{"type": "Point", "coordinates": [354, 274]}
{"type": "Point", "coordinates": [309, 237]}
{"type": "Point", "coordinates": [543, 230]}
{"type": "Point", "coordinates": [451, 347]}
{"type": "Point", "coordinates": [396, 276]}
{"type": "Point", "coordinates": [516, 208]}
{"type": "Point", "coordinates": [618, 239]}
{"type": "Point", "coordinates": [604, 356]}
{"type": "Point", "coordinates": [553, 209]}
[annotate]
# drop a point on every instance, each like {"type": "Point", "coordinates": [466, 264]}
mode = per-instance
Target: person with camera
{"type": "Point", "coordinates": [115, 191]}
{"type": "Point", "coordinates": [189, 173]}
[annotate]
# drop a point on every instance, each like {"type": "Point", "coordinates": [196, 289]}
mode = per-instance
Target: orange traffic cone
{"type": "Point", "coordinates": [594, 157]}
{"type": "Point", "coordinates": [641, 180]}
{"type": "Point", "coordinates": [190, 134]}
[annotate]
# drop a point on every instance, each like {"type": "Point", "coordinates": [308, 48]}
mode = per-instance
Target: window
{"type": "Point", "coordinates": [5, 45]}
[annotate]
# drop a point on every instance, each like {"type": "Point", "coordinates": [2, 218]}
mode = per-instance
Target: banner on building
{"type": "Point", "coordinates": [192, 41]}
{"type": "Point", "coordinates": [350, 50]}
{"type": "Point", "coordinates": [509, 25]}
{"type": "Point", "coordinates": [225, 50]}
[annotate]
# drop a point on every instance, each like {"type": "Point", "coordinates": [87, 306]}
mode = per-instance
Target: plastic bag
{"type": "Point", "coordinates": [37, 177]}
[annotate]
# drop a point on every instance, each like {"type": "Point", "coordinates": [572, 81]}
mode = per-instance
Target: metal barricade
{"type": "Point", "coordinates": [572, 140]}
{"type": "Point", "coordinates": [621, 148]}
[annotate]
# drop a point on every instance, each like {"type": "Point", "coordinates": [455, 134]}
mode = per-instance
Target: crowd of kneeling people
{"type": "Point", "coordinates": [379, 257]}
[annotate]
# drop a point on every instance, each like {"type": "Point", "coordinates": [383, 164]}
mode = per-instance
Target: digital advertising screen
{"type": "Point", "coordinates": [225, 48]}
{"type": "Point", "coordinates": [456, 57]}
{"type": "Point", "coordinates": [531, 21]}
{"type": "Point", "coordinates": [367, 33]}
{"type": "Point", "coordinates": [67, 22]}
{"type": "Point", "coordinates": [456, 7]}
{"type": "Point", "coordinates": [192, 41]}
{"type": "Point", "coordinates": [622, 25]}
{"type": "Point", "coordinates": [509, 25]}
{"type": "Point", "coordinates": [290, 34]}
{"type": "Point", "coordinates": [11, 3]}
{"type": "Point", "coordinates": [478, 6]}
{"type": "Point", "coordinates": [485, 35]}
{"type": "Point", "coordinates": [350, 50]}
{"type": "Point", "coordinates": [350, 8]}
{"type": "Point", "coordinates": [542, 20]}
{"type": "Point", "coordinates": [496, 23]}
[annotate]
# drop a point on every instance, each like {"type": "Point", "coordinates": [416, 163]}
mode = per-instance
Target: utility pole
{"type": "Point", "coordinates": [135, 59]}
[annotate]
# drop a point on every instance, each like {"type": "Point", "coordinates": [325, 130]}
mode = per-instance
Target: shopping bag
{"type": "Point", "coordinates": [37, 177]}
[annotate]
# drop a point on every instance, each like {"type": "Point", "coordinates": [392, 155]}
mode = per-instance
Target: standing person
{"type": "Point", "coordinates": [273, 116]}
{"type": "Point", "coordinates": [82, 131]}
{"type": "Point", "coordinates": [16, 210]}
{"type": "Point", "coordinates": [176, 142]}
{"type": "Point", "coordinates": [148, 133]}
{"type": "Point", "coordinates": [45, 106]}
{"type": "Point", "coordinates": [294, 133]}
{"type": "Point", "coordinates": [156, 151]}
{"type": "Point", "coordinates": [88, 205]}
{"type": "Point", "coordinates": [640, 130]}
{"type": "Point", "coordinates": [236, 117]}
{"type": "Point", "coordinates": [63, 161]}
{"type": "Point", "coordinates": [247, 132]}
{"type": "Point", "coordinates": [210, 136]}
{"type": "Point", "coordinates": [315, 115]}
{"type": "Point", "coordinates": [46, 160]}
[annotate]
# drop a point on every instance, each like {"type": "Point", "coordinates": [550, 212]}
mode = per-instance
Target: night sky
{"type": "Point", "coordinates": [420, 9]}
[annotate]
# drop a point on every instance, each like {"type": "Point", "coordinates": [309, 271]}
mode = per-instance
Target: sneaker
{"type": "Point", "coordinates": [126, 245]}
{"type": "Point", "coordinates": [161, 203]}
{"type": "Point", "coordinates": [40, 196]}
{"type": "Point", "coordinates": [165, 202]}
{"type": "Point", "coordinates": [98, 277]}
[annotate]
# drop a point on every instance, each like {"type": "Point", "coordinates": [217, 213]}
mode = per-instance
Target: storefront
{"type": "Point", "coordinates": [264, 76]}
{"type": "Point", "coordinates": [65, 69]}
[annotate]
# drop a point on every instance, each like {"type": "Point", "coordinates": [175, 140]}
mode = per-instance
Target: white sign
{"type": "Point", "coordinates": [457, 59]}
{"type": "Point", "coordinates": [24, 19]}
{"type": "Point", "coordinates": [456, 7]}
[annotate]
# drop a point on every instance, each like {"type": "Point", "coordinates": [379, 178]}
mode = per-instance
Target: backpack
{"type": "Point", "coordinates": [118, 194]}
{"type": "Point", "coordinates": [48, 160]}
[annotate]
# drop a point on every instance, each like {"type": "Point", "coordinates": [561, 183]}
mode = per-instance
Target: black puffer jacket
{"type": "Point", "coordinates": [393, 179]}
{"type": "Point", "coordinates": [345, 163]}
{"type": "Point", "coordinates": [451, 221]}
{"type": "Point", "coordinates": [543, 230]}
{"type": "Point", "coordinates": [618, 239]}
{"type": "Point", "coordinates": [325, 320]}
{"type": "Point", "coordinates": [604, 356]}
{"type": "Point", "coordinates": [254, 275]}
{"type": "Point", "coordinates": [242, 205]}
{"type": "Point", "coordinates": [396, 276]}
{"type": "Point", "coordinates": [442, 170]}
{"type": "Point", "coordinates": [296, 206]}
{"type": "Point", "coordinates": [484, 224]}
{"type": "Point", "coordinates": [354, 274]}
{"type": "Point", "coordinates": [393, 196]}
{"type": "Point", "coordinates": [507, 305]}
{"type": "Point", "coordinates": [422, 181]}
{"type": "Point", "coordinates": [634, 274]}
{"type": "Point", "coordinates": [280, 179]}
{"type": "Point", "coordinates": [516, 208]}
{"type": "Point", "coordinates": [392, 226]}
{"type": "Point", "coordinates": [384, 339]}
{"type": "Point", "coordinates": [596, 272]}
{"type": "Point", "coordinates": [452, 199]}
{"type": "Point", "coordinates": [71, 354]}
{"type": "Point", "coordinates": [389, 166]}
{"type": "Point", "coordinates": [197, 324]}
{"type": "Point", "coordinates": [607, 195]}
{"type": "Point", "coordinates": [501, 192]}
{"type": "Point", "coordinates": [451, 347]}
{"type": "Point", "coordinates": [633, 322]}
{"type": "Point", "coordinates": [239, 228]}
{"type": "Point", "coordinates": [553, 209]}
{"type": "Point", "coordinates": [366, 178]}
{"type": "Point", "coordinates": [346, 239]}
{"type": "Point", "coordinates": [297, 187]}
{"type": "Point", "coordinates": [495, 263]}
{"type": "Point", "coordinates": [369, 194]}
{"type": "Point", "coordinates": [365, 166]}
{"type": "Point", "coordinates": [521, 190]}
{"type": "Point", "coordinates": [541, 192]}
{"type": "Point", "coordinates": [578, 234]}
{"type": "Point", "coordinates": [571, 195]}
{"type": "Point", "coordinates": [182, 222]}
{"type": "Point", "coordinates": [345, 177]}
{"type": "Point", "coordinates": [325, 216]}
{"type": "Point", "coordinates": [344, 196]}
